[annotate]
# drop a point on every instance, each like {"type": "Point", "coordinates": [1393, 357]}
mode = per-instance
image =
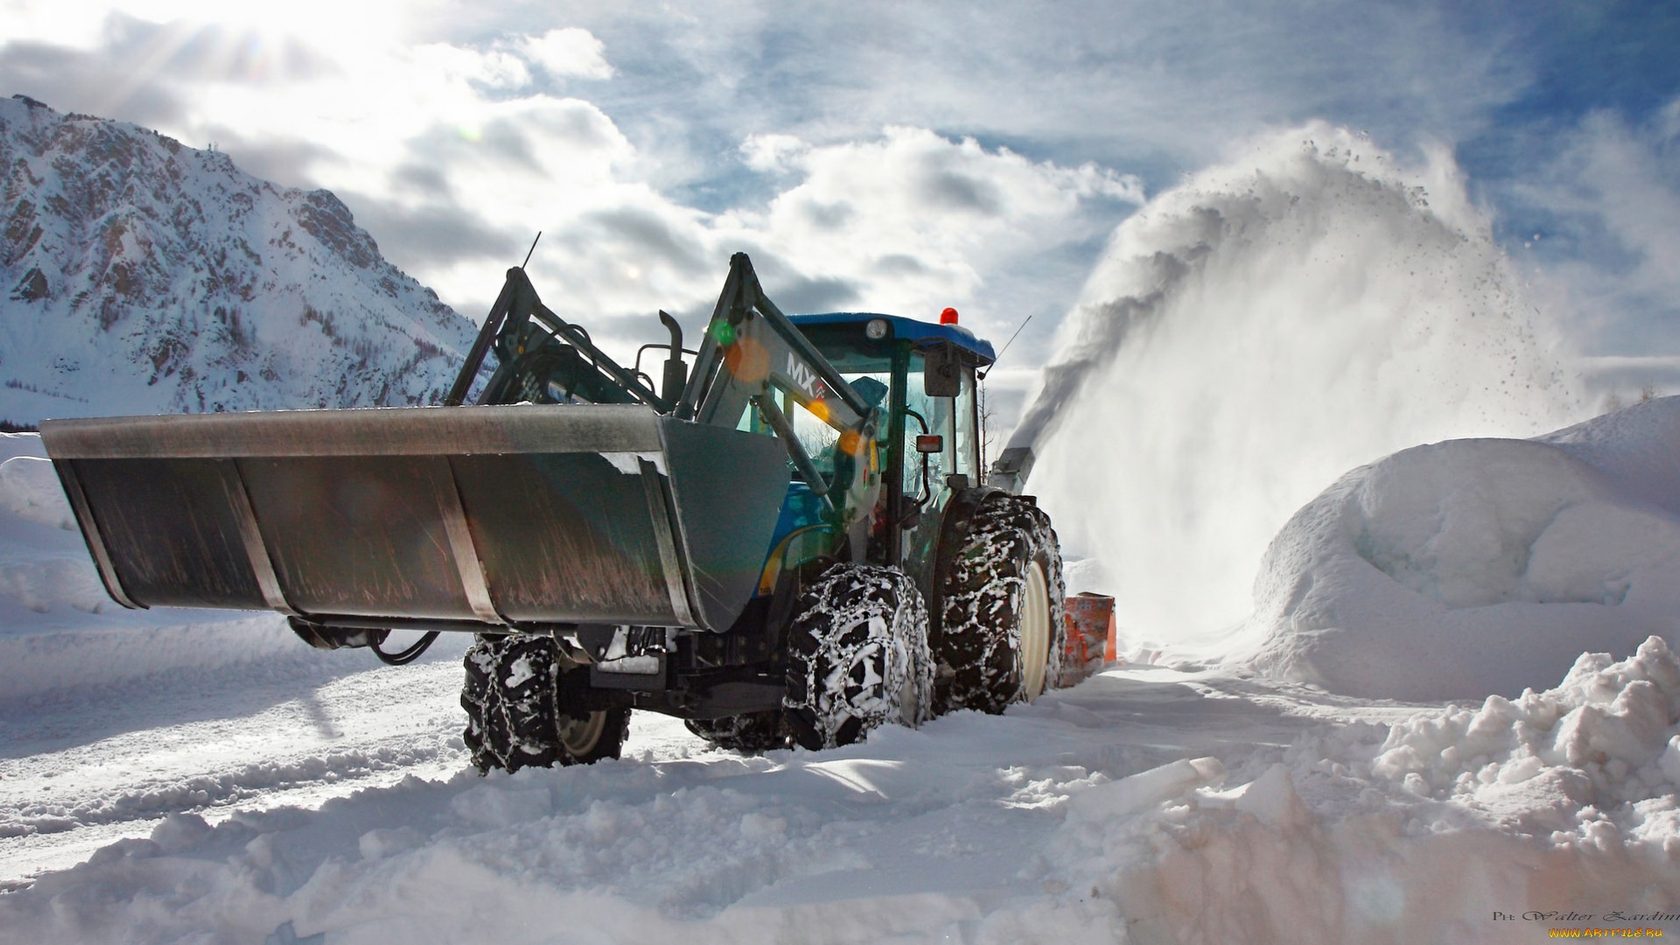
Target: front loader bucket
{"type": "Point", "coordinates": [428, 517]}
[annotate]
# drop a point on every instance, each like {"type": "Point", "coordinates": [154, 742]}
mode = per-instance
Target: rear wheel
{"type": "Point", "coordinates": [857, 656]}
{"type": "Point", "coordinates": [517, 715]}
{"type": "Point", "coordinates": [1000, 635]}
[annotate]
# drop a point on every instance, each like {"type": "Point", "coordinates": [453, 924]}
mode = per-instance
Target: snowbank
{"type": "Point", "coordinates": [1555, 802]}
{"type": "Point", "coordinates": [1471, 567]}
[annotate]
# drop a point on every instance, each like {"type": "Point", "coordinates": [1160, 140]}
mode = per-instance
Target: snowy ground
{"type": "Point", "coordinates": [79, 773]}
{"type": "Point", "coordinates": [166, 779]}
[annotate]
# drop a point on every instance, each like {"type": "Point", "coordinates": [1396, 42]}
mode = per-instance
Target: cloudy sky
{"type": "Point", "coordinates": [886, 156]}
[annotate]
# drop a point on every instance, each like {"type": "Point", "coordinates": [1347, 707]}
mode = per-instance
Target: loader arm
{"type": "Point", "coordinates": [751, 353]}
{"type": "Point", "coordinates": [535, 349]}
{"type": "Point", "coordinates": [750, 346]}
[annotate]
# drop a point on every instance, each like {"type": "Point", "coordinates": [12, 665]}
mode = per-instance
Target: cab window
{"type": "Point", "coordinates": [953, 419]}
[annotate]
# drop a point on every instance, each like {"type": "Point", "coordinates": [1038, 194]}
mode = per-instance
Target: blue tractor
{"type": "Point", "coordinates": [789, 540]}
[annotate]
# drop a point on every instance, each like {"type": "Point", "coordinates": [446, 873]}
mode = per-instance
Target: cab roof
{"type": "Point", "coordinates": [906, 328]}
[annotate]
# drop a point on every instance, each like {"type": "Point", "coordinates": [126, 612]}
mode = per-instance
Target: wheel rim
{"type": "Point", "coordinates": [1035, 632]}
{"type": "Point", "coordinates": [580, 735]}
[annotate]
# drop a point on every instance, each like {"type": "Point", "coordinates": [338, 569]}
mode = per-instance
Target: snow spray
{"type": "Point", "coordinates": [1252, 334]}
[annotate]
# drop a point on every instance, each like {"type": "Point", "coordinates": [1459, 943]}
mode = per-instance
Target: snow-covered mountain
{"type": "Point", "coordinates": [138, 275]}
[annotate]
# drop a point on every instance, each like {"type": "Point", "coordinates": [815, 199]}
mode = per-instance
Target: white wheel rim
{"type": "Point", "coordinates": [578, 736]}
{"type": "Point", "coordinates": [1035, 632]}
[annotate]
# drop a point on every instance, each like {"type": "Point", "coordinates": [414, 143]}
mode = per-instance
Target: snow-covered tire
{"type": "Point", "coordinates": [1000, 636]}
{"type": "Point", "coordinates": [514, 714]}
{"type": "Point", "coordinates": [857, 656]}
{"type": "Point", "coordinates": [750, 733]}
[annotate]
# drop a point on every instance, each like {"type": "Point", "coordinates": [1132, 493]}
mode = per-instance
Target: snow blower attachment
{"type": "Point", "coordinates": [790, 544]}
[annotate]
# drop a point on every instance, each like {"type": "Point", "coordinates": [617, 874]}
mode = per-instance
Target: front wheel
{"type": "Point", "coordinates": [857, 656]}
{"type": "Point", "coordinates": [517, 716]}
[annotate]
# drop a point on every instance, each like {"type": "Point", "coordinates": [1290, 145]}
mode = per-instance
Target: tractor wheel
{"type": "Point", "coordinates": [1000, 636]}
{"type": "Point", "coordinates": [514, 714]}
{"type": "Point", "coordinates": [750, 733]}
{"type": "Point", "coordinates": [857, 656]}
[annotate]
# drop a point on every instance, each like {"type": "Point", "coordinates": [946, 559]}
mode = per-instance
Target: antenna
{"type": "Point", "coordinates": [1006, 345]}
{"type": "Point", "coordinates": [534, 249]}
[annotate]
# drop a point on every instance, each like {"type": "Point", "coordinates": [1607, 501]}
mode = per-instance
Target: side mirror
{"type": "Point", "coordinates": [942, 371]}
{"type": "Point", "coordinates": [930, 443]}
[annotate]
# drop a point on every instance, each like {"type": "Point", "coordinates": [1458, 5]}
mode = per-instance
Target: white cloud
{"type": "Point", "coordinates": [493, 68]}
{"type": "Point", "coordinates": [906, 221]}
{"type": "Point", "coordinates": [513, 64]}
{"type": "Point", "coordinates": [567, 52]}
{"type": "Point", "coordinates": [926, 221]}
{"type": "Point", "coordinates": [771, 153]}
{"type": "Point", "coordinates": [73, 23]}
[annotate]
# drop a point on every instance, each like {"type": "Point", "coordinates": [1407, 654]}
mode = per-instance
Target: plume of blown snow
{"type": "Point", "coordinates": [1253, 333]}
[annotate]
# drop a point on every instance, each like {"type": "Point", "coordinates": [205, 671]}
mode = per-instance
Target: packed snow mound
{"type": "Point", "coordinates": [1416, 830]}
{"type": "Point", "coordinates": [1594, 762]}
{"type": "Point", "coordinates": [1476, 567]}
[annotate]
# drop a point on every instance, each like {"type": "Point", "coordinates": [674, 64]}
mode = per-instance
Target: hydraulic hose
{"type": "Point", "coordinates": [407, 656]}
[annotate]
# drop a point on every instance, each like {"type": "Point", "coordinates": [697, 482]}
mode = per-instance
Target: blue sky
{"type": "Point", "coordinates": [890, 156]}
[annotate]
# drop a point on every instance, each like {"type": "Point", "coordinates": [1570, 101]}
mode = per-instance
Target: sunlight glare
{"type": "Point", "coordinates": [319, 23]}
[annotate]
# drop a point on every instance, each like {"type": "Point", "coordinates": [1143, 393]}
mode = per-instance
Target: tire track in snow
{"type": "Point", "coordinates": [207, 791]}
{"type": "Point", "coordinates": [79, 777]}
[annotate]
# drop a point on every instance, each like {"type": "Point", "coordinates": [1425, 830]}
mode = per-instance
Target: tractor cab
{"type": "Point", "coordinates": [926, 443]}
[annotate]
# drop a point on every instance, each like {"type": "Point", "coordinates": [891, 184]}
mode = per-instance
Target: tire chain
{"type": "Point", "coordinates": [978, 644]}
{"type": "Point", "coordinates": [859, 642]}
{"type": "Point", "coordinates": [509, 698]}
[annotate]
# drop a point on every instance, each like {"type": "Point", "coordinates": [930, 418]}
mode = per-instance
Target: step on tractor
{"type": "Point", "coordinates": [788, 542]}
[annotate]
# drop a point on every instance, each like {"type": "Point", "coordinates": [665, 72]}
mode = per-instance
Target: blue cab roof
{"type": "Point", "coordinates": [906, 328]}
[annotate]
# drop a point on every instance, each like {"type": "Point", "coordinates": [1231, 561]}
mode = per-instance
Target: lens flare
{"type": "Point", "coordinates": [748, 361]}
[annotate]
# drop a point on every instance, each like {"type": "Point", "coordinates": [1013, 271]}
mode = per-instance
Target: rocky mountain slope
{"type": "Point", "coordinates": [138, 275]}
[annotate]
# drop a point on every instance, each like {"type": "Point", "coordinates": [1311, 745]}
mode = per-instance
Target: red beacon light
{"type": "Point", "coordinates": [948, 317]}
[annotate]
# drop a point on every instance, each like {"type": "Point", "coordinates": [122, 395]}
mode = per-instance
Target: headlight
{"type": "Point", "coordinates": [876, 329]}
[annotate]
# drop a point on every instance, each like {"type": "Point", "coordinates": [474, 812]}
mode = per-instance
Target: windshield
{"type": "Point", "coordinates": [816, 434]}
{"type": "Point", "coordinates": [864, 364]}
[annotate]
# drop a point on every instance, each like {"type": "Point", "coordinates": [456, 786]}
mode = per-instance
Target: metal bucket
{"type": "Point", "coordinates": [449, 517]}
